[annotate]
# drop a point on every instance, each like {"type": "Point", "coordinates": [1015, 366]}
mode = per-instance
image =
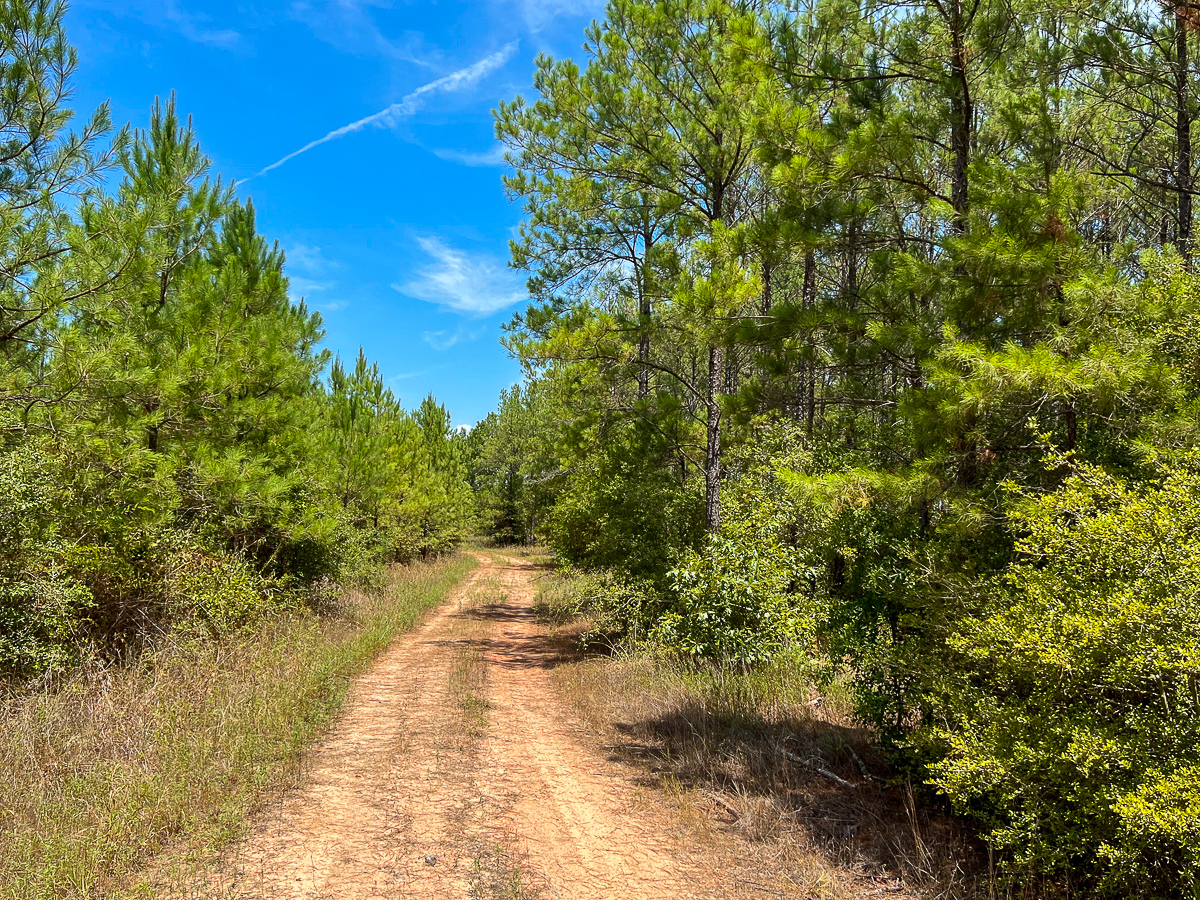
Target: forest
{"type": "Point", "coordinates": [178, 452]}
{"type": "Point", "coordinates": [867, 330]}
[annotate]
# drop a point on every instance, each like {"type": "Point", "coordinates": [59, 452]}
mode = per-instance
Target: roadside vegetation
{"type": "Point", "coordinates": [862, 363]}
{"type": "Point", "coordinates": [118, 763]}
{"type": "Point", "coordinates": [177, 450]}
{"type": "Point", "coordinates": [863, 339]}
{"type": "Point", "coordinates": [201, 511]}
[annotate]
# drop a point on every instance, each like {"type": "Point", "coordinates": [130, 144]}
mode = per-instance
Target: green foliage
{"type": "Point", "coordinates": [43, 606]}
{"type": "Point", "coordinates": [216, 594]}
{"type": "Point", "coordinates": [743, 596]}
{"type": "Point", "coordinates": [936, 240]}
{"type": "Point", "coordinates": [614, 514]}
{"type": "Point", "coordinates": [621, 609]}
{"type": "Point", "coordinates": [171, 456]}
{"type": "Point", "coordinates": [514, 470]}
{"type": "Point", "coordinates": [1070, 720]}
{"type": "Point", "coordinates": [732, 601]}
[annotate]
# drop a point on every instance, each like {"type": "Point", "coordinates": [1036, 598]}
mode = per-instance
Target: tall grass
{"type": "Point", "coordinates": [110, 766]}
{"type": "Point", "coordinates": [775, 752]}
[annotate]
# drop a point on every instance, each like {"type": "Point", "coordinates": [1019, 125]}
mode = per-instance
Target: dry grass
{"type": "Point", "coordinates": [468, 678]}
{"type": "Point", "coordinates": [767, 764]}
{"type": "Point", "coordinates": [502, 873]}
{"type": "Point", "coordinates": [113, 765]}
{"type": "Point", "coordinates": [534, 553]}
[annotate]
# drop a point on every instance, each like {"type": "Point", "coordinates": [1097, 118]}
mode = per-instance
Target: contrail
{"type": "Point", "coordinates": [410, 103]}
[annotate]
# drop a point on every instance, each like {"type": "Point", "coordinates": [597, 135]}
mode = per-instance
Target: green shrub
{"type": "Point", "coordinates": [613, 515]}
{"type": "Point", "coordinates": [215, 593]}
{"type": "Point", "coordinates": [739, 598]}
{"type": "Point", "coordinates": [41, 618]}
{"type": "Point", "coordinates": [618, 605]}
{"type": "Point", "coordinates": [1071, 721]}
{"type": "Point", "coordinates": [43, 608]}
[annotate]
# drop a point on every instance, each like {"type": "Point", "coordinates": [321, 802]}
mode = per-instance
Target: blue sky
{"type": "Point", "coordinates": [396, 226]}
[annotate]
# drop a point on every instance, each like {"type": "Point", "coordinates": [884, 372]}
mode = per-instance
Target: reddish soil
{"type": "Point", "coordinates": [455, 772]}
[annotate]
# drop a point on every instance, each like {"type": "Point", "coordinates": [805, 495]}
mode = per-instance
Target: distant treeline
{"type": "Point", "coordinates": [869, 330]}
{"type": "Point", "coordinates": [175, 452]}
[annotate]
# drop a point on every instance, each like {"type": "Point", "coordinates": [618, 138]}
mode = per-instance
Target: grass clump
{"type": "Point", "coordinates": [772, 754]}
{"type": "Point", "coordinates": [111, 765]}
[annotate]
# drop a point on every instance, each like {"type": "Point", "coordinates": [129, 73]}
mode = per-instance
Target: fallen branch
{"type": "Point", "coordinates": [820, 770]}
{"type": "Point", "coordinates": [832, 777]}
{"type": "Point", "coordinates": [729, 807]}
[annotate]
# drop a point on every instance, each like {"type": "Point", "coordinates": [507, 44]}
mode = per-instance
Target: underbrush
{"type": "Point", "coordinates": [112, 764]}
{"type": "Point", "coordinates": [775, 752]}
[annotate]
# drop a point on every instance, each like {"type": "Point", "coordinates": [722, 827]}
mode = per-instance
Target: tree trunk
{"type": "Point", "coordinates": [712, 455]}
{"type": "Point", "coordinates": [1183, 137]}
{"type": "Point", "coordinates": [809, 372]}
{"type": "Point", "coordinates": [644, 371]}
{"type": "Point", "coordinates": [961, 115]}
{"type": "Point", "coordinates": [767, 271]}
{"type": "Point", "coordinates": [644, 323]}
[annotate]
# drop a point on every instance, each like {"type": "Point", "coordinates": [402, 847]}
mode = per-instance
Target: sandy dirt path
{"type": "Point", "coordinates": [454, 772]}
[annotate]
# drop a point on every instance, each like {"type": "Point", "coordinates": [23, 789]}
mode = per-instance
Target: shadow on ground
{"type": "Point", "coordinates": [791, 777]}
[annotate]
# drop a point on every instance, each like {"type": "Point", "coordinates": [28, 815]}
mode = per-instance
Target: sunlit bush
{"type": "Point", "coordinates": [1072, 722]}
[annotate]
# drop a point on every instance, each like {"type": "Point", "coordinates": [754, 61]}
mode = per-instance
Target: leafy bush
{"type": "Point", "coordinates": [42, 607]}
{"type": "Point", "coordinates": [613, 515]}
{"type": "Point", "coordinates": [41, 617]}
{"type": "Point", "coordinates": [618, 606]}
{"type": "Point", "coordinates": [740, 596]}
{"type": "Point", "coordinates": [1071, 721]}
{"type": "Point", "coordinates": [215, 593]}
{"type": "Point", "coordinates": [732, 601]}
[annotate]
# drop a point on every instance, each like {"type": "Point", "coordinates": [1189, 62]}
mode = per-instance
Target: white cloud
{"type": "Point", "coordinates": [493, 157]}
{"type": "Point", "coordinates": [407, 375]}
{"type": "Point", "coordinates": [442, 340]}
{"type": "Point", "coordinates": [409, 103]}
{"type": "Point", "coordinates": [316, 279]}
{"type": "Point", "coordinates": [306, 286]}
{"type": "Point", "coordinates": [349, 26]}
{"type": "Point", "coordinates": [195, 27]}
{"type": "Point", "coordinates": [308, 258]}
{"type": "Point", "coordinates": [471, 284]}
{"type": "Point", "coordinates": [538, 13]}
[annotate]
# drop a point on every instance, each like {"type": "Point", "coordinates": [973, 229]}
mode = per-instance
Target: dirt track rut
{"type": "Point", "coordinates": [455, 772]}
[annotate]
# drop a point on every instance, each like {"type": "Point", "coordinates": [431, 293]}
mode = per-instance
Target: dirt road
{"type": "Point", "coordinates": [456, 773]}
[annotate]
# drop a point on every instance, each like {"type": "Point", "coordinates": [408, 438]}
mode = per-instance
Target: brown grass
{"type": "Point", "coordinates": [772, 773]}
{"type": "Point", "coordinates": [113, 765]}
{"type": "Point", "coordinates": [468, 678]}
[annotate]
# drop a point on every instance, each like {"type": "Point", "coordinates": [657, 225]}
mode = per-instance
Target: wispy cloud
{"type": "Point", "coordinates": [350, 26]}
{"type": "Point", "coordinates": [195, 29]}
{"type": "Point", "coordinates": [308, 258]}
{"type": "Point", "coordinates": [493, 157]}
{"type": "Point", "coordinates": [168, 15]}
{"type": "Point", "coordinates": [306, 286]}
{"type": "Point", "coordinates": [404, 376]}
{"type": "Point", "coordinates": [444, 340]}
{"type": "Point", "coordinates": [441, 340]}
{"type": "Point", "coordinates": [472, 284]}
{"type": "Point", "coordinates": [539, 13]}
{"type": "Point", "coordinates": [317, 277]}
{"type": "Point", "coordinates": [411, 102]}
